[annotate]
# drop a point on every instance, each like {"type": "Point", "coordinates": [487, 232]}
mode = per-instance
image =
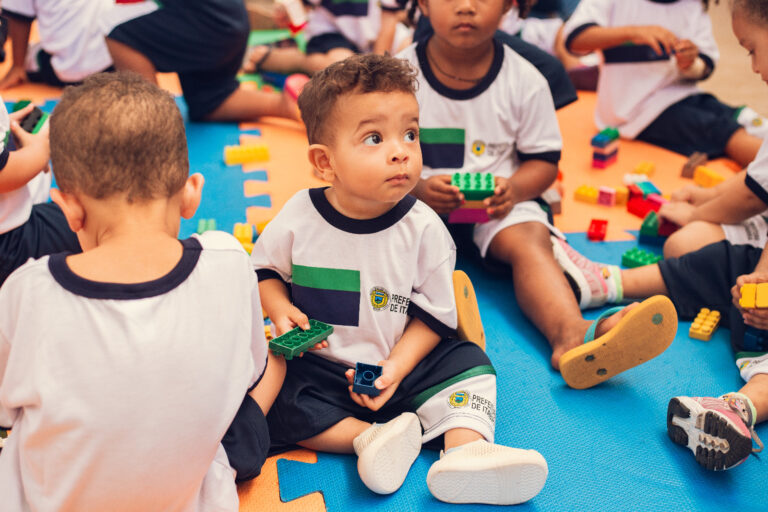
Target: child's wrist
{"type": "Point", "coordinates": [696, 70]}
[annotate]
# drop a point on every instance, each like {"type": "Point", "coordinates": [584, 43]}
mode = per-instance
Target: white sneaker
{"type": "Point", "coordinates": [596, 283]}
{"type": "Point", "coordinates": [386, 452]}
{"type": "Point", "coordinates": [481, 472]}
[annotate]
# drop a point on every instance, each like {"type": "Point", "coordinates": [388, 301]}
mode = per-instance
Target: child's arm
{"type": "Point", "coordinates": [417, 341]}
{"type": "Point", "coordinates": [18, 32]}
{"type": "Point", "coordinates": [26, 162]}
{"type": "Point", "coordinates": [598, 38]}
{"type": "Point", "coordinates": [731, 203]}
{"type": "Point", "coordinates": [283, 314]}
{"type": "Point", "coordinates": [386, 37]}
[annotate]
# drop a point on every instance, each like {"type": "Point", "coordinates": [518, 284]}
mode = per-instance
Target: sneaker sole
{"type": "Point", "coordinates": [643, 333]}
{"type": "Point", "coordinates": [505, 484]}
{"type": "Point", "coordinates": [715, 442]}
{"type": "Point", "coordinates": [470, 325]}
{"type": "Point", "coordinates": [385, 463]}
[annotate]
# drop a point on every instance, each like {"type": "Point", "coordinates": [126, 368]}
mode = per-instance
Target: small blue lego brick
{"type": "Point", "coordinates": [365, 376]}
{"type": "Point", "coordinates": [600, 141]}
{"type": "Point", "coordinates": [297, 340]}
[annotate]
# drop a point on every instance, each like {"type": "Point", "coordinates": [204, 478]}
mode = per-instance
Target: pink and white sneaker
{"type": "Point", "coordinates": [597, 284]}
{"type": "Point", "coordinates": [719, 431]}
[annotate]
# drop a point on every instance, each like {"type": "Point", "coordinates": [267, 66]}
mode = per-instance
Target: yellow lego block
{"type": "Point", "coordinates": [243, 232]}
{"type": "Point", "coordinates": [761, 296]}
{"type": "Point", "coordinates": [704, 325]}
{"type": "Point", "coordinates": [245, 154]}
{"type": "Point", "coordinates": [646, 168]}
{"type": "Point", "coordinates": [586, 194]}
{"type": "Point", "coordinates": [622, 195]}
{"type": "Point", "coordinates": [748, 295]}
{"type": "Point", "coordinates": [706, 177]}
{"type": "Point", "coordinates": [260, 226]}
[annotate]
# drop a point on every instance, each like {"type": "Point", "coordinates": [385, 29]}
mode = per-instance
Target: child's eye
{"type": "Point", "coordinates": [372, 139]}
{"type": "Point", "coordinates": [410, 136]}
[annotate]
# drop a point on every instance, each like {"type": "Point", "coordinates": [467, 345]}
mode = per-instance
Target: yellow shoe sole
{"type": "Point", "coordinates": [644, 333]}
{"type": "Point", "coordinates": [470, 326]}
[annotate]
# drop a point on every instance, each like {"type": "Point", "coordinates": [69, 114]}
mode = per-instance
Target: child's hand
{"type": "Point", "coordinates": [658, 38]}
{"type": "Point", "coordinates": [293, 317]}
{"type": "Point", "coordinates": [17, 75]}
{"type": "Point", "coordinates": [678, 213]}
{"type": "Point", "coordinates": [387, 383]}
{"type": "Point", "coordinates": [502, 200]}
{"type": "Point", "coordinates": [757, 318]}
{"type": "Point", "coordinates": [685, 53]}
{"type": "Point", "coordinates": [438, 193]}
{"type": "Point", "coordinates": [692, 194]}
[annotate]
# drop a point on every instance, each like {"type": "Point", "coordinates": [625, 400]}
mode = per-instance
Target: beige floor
{"type": "Point", "coordinates": [733, 81]}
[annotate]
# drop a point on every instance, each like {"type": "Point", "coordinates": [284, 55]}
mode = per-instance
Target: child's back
{"type": "Point", "coordinates": [119, 398]}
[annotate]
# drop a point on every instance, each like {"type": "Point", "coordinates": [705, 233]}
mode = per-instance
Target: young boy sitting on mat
{"type": "Point", "coordinates": [122, 367]}
{"type": "Point", "coordinates": [464, 74]}
{"type": "Point", "coordinates": [720, 431]}
{"type": "Point", "coordinates": [377, 264]}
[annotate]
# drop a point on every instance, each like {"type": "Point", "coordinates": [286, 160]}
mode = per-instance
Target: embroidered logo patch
{"type": "Point", "coordinates": [478, 147]}
{"type": "Point", "coordinates": [458, 399]}
{"type": "Point", "coordinates": [379, 298]}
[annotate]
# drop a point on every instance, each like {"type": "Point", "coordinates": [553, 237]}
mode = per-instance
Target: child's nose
{"type": "Point", "coordinates": [465, 6]}
{"type": "Point", "coordinates": [399, 153]}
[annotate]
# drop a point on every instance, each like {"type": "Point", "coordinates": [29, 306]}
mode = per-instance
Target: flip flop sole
{"type": "Point", "coordinates": [470, 325]}
{"type": "Point", "coordinates": [644, 333]}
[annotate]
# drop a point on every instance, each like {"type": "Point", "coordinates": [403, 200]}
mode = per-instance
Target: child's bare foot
{"type": "Point", "coordinates": [578, 336]}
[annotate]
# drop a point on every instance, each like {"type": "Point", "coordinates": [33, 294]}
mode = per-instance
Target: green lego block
{"type": "Point", "coordinates": [650, 226]}
{"type": "Point", "coordinates": [204, 225]}
{"type": "Point", "coordinates": [297, 340]}
{"type": "Point", "coordinates": [610, 132]}
{"type": "Point", "coordinates": [474, 185]}
{"type": "Point", "coordinates": [20, 105]}
{"type": "Point", "coordinates": [639, 257]}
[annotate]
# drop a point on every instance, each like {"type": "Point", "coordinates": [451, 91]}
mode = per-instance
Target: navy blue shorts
{"type": "Point", "coordinates": [47, 75]}
{"type": "Point", "coordinates": [45, 232]}
{"type": "Point", "coordinates": [697, 123]}
{"type": "Point", "coordinates": [247, 441]}
{"type": "Point", "coordinates": [704, 278]}
{"type": "Point", "coordinates": [314, 396]}
{"type": "Point", "coordinates": [206, 49]}
{"type": "Point", "coordinates": [324, 43]}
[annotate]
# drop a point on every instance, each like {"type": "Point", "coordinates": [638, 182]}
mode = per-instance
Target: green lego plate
{"type": "Point", "coordinates": [297, 340]}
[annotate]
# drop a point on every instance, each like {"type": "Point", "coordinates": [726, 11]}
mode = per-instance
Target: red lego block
{"type": "Point", "coordinates": [635, 191]}
{"type": "Point", "coordinates": [638, 206]}
{"type": "Point", "coordinates": [666, 227]}
{"type": "Point", "coordinates": [597, 230]}
{"type": "Point", "coordinates": [655, 201]}
{"type": "Point", "coordinates": [602, 164]}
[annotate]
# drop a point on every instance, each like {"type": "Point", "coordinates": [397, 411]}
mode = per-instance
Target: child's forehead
{"type": "Point", "coordinates": [356, 107]}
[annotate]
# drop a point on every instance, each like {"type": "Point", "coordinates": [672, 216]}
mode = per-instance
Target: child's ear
{"type": "Point", "coordinates": [322, 162]}
{"type": "Point", "coordinates": [191, 195]}
{"type": "Point", "coordinates": [71, 207]}
{"type": "Point", "coordinates": [423, 7]}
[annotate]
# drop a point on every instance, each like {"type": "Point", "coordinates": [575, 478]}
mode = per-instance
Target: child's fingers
{"type": "Point", "coordinates": [22, 113]}
{"type": "Point", "coordinates": [299, 318]}
{"type": "Point", "coordinates": [356, 397]}
{"type": "Point", "coordinates": [350, 375]}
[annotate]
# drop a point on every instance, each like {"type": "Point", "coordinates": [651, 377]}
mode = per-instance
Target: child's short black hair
{"type": "Point", "coordinates": [359, 74]}
{"type": "Point", "coordinates": [757, 9]}
{"type": "Point", "coordinates": [118, 134]}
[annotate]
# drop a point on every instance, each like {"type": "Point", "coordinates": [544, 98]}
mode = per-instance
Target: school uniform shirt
{"type": "Point", "coordinates": [537, 31]}
{"type": "Point", "coordinates": [365, 277]}
{"type": "Point", "coordinates": [70, 31]}
{"type": "Point", "coordinates": [507, 118]}
{"type": "Point", "coordinates": [358, 21]}
{"type": "Point", "coordinates": [631, 91]}
{"type": "Point", "coordinates": [119, 394]}
{"type": "Point", "coordinates": [16, 205]}
{"type": "Point", "coordinates": [757, 174]}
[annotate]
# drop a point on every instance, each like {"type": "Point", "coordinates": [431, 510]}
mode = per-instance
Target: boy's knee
{"type": "Point", "coordinates": [691, 237]}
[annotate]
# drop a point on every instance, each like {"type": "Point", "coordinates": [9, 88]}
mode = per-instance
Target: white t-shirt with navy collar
{"type": "Point", "coordinates": [631, 94]}
{"type": "Point", "coordinates": [507, 118]}
{"type": "Point", "coordinates": [358, 21]}
{"type": "Point", "coordinates": [364, 277]}
{"type": "Point", "coordinates": [119, 394]}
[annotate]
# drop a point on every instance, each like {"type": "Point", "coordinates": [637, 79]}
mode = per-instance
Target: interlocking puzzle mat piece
{"type": "Point", "coordinates": [262, 494]}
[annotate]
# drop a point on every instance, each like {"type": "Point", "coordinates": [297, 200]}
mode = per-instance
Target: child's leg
{"type": "Point", "coordinates": [692, 237]}
{"type": "Point", "coordinates": [642, 282]}
{"type": "Point", "coordinates": [541, 289]}
{"type": "Point", "coordinates": [126, 58]}
{"type": "Point", "coordinates": [292, 60]}
{"type": "Point", "coordinates": [338, 438]}
{"type": "Point", "coordinates": [742, 147]}
{"type": "Point", "coordinates": [248, 105]}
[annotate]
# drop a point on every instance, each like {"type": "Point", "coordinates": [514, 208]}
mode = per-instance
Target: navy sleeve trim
{"type": "Point", "coordinates": [756, 188]}
{"type": "Point", "coordinates": [391, 9]}
{"type": "Point", "coordinates": [17, 16]}
{"type": "Point", "coordinates": [4, 158]}
{"type": "Point", "coordinates": [260, 376]}
{"type": "Point", "coordinates": [433, 323]}
{"type": "Point", "coordinates": [578, 30]}
{"type": "Point", "coordinates": [710, 66]}
{"type": "Point", "coordinates": [266, 273]}
{"type": "Point", "coordinates": [552, 157]}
